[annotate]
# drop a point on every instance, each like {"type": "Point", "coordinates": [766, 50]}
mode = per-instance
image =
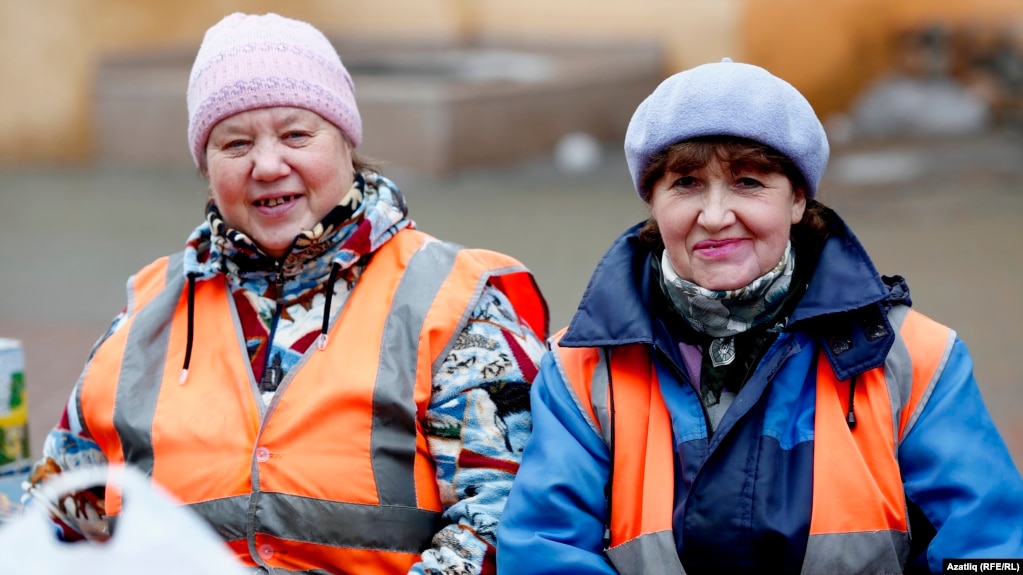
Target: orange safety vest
{"type": "Point", "coordinates": [858, 523]}
{"type": "Point", "coordinates": [335, 475]}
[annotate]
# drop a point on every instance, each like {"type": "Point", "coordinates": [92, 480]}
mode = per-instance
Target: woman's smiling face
{"type": "Point", "coordinates": [722, 229]}
{"type": "Point", "coordinates": [276, 172]}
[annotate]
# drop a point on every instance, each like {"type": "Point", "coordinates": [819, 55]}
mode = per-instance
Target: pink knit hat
{"type": "Point", "coordinates": [247, 62]}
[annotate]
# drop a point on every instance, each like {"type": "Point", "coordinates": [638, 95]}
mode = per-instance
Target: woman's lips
{"type": "Point", "coordinates": [273, 202]}
{"type": "Point", "coordinates": [717, 248]}
{"type": "Point", "coordinates": [276, 205]}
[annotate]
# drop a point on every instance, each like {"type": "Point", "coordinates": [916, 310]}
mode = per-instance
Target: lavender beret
{"type": "Point", "coordinates": [727, 99]}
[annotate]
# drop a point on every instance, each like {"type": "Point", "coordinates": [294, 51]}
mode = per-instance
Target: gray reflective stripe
{"type": "Point", "coordinates": [303, 519]}
{"type": "Point", "coordinates": [854, 553]}
{"type": "Point", "coordinates": [142, 369]}
{"type": "Point", "coordinates": [393, 440]}
{"type": "Point", "coordinates": [580, 406]}
{"type": "Point", "coordinates": [598, 396]}
{"type": "Point", "coordinates": [225, 515]}
{"type": "Point", "coordinates": [898, 369]}
{"type": "Point", "coordinates": [648, 554]}
{"type": "Point", "coordinates": [898, 372]}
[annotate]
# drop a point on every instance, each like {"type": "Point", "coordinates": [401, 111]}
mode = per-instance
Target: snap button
{"type": "Point", "coordinates": [266, 551]}
{"type": "Point", "coordinates": [262, 454]}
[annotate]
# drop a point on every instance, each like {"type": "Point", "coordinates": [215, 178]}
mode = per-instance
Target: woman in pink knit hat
{"type": "Point", "coordinates": [334, 390]}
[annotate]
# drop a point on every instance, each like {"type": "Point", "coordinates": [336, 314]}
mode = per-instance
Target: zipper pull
{"type": "Point", "coordinates": [278, 281]}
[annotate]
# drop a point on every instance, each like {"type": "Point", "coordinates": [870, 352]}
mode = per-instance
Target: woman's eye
{"type": "Point", "coordinates": [685, 182]}
{"type": "Point", "coordinates": [295, 135]}
{"type": "Point", "coordinates": [748, 183]}
{"type": "Point", "coordinates": [235, 144]}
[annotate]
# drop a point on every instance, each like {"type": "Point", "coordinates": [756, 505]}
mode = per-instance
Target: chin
{"type": "Point", "coordinates": [718, 284]}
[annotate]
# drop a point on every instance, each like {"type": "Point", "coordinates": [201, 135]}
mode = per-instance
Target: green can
{"type": "Point", "coordinates": [14, 435]}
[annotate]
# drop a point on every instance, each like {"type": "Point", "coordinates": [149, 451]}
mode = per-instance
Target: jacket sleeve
{"type": "Point", "coordinates": [554, 520]}
{"type": "Point", "coordinates": [957, 469]}
{"type": "Point", "coordinates": [477, 424]}
{"type": "Point", "coordinates": [68, 446]}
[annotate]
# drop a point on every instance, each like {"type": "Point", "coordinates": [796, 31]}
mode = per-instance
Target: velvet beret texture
{"type": "Point", "coordinates": [727, 99]}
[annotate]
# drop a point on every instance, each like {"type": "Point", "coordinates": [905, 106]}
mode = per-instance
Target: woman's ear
{"type": "Point", "coordinates": [798, 205]}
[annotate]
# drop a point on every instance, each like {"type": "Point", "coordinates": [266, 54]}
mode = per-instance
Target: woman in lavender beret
{"type": "Point", "coordinates": [740, 390]}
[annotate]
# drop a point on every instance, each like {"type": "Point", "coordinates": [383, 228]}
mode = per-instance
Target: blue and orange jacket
{"type": "Point", "coordinates": [783, 485]}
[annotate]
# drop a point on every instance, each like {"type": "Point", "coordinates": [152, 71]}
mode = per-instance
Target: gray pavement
{"type": "Point", "coordinates": [944, 213]}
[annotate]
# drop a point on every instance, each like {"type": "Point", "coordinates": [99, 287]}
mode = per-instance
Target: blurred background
{"type": "Point", "coordinates": [503, 122]}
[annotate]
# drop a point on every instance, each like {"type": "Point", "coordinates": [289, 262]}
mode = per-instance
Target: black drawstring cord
{"type": "Point", "coordinates": [321, 342]}
{"type": "Point", "coordinates": [608, 489]}
{"type": "Point", "coordinates": [191, 327]}
{"type": "Point", "coordinates": [850, 417]}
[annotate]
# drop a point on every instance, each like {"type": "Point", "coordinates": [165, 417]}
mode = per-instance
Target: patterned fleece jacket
{"type": "Point", "coordinates": [488, 371]}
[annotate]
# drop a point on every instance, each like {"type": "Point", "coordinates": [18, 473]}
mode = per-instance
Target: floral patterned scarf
{"type": "Point", "coordinates": [367, 216]}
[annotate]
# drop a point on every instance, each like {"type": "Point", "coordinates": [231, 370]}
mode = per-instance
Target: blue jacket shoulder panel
{"type": "Point", "coordinates": [958, 471]}
{"type": "Point", "coordinates": [554, 518]}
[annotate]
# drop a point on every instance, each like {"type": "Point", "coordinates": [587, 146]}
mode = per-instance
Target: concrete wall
{"type": "Point", "coordinates": [49, 49]}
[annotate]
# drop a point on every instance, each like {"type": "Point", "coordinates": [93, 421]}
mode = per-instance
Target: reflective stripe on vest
{"type": "Point", "coordinates": [642, 541]}
{"type": "Point", "coordinates": [374, 486]}
{"type": "Point", "coordinates": [858, 521]}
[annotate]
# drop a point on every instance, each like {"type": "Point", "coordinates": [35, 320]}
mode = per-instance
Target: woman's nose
{"type": "Point", "coordinates": [716, 211]}
{"type": "Point", "coordinates": [268, 162]}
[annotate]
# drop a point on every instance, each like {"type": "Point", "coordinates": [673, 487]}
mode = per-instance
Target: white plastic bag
{"type": "Point", "coordinates": [154, 535]}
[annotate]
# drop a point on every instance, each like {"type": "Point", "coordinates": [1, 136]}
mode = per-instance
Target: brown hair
{"type": "Point", "coordinates": [738, 154]}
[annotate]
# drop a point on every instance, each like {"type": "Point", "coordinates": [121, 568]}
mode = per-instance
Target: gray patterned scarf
{"type": "Point", "coordinates": [724, 314]}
